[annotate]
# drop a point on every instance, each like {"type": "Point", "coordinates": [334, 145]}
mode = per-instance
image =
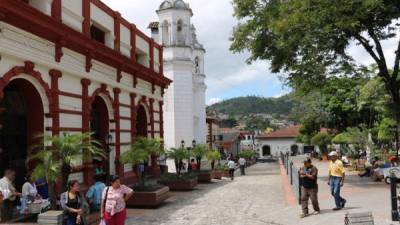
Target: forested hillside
{"type": "Point", "coordinates": [253, 104]}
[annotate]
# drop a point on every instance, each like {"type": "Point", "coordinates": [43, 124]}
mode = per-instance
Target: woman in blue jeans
{"type": "Point", "coordinates": [336, 180]}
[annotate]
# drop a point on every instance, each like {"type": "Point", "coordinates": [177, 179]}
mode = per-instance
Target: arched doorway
{"type": "Point", "coordinates": [141, 122]}
{"type": "Point", "coordinates": [294, 150]}
{"type": "Point", "coordinates": [266, 150]}
{"type": "Point", "coordinates": [21, 119]}
{"type": "Point", "coordinates": [99, 126]}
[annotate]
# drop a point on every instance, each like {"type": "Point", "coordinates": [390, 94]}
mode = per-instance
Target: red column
{"type": "Point", "coordinates": [160, 59]}
{"type": "Point", "coordinates": [117, 31]}
{"type": "Point", "coordinates": [133, 117]}
{"type": "Point", "coordinates": [151, 46]}
{"type": "Point", "coordinates": [55, 108]}
{"type": "Point", "coordinates": [86, 17]}
{"type": "Point", "coordinates": [56, 10]}
{"type": "Point", "coordinates": [151, 117]}
{"type": "Point", "coordinates": [118, 166]}
{"type": "Point", "coordinates": [161, 103]}
{"type": "Point", "coordinates": [88, 171]}
{"type": "Point", "coordinates": [133, 42]}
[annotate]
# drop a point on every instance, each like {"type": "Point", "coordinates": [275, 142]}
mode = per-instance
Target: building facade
{"type": "Point", "coordinates": [184, 108]}
{"type": "Point", "coordinates": [283, 140]}
{"type": "Point", "coordinates": [76, 66]}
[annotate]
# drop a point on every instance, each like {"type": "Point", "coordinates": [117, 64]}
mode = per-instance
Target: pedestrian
{"type": "Point", "coordinates": [113, 209]}
{"type": "Point", "coordinates": [94, 193]}
{"type": "Point", "coordinates": [309, 187]}
{"type": "Point", "coordinates": [336, 180]}
{"type": "Point", "coordinates": [29, 193]}
{"type": "Point", "coordinates": [193, 165]}
{"type": "Point", "coordinates": [242, 164]}
{"type": "Point", "coordinates": [73, 204]}
{"type": "Point", "coordinates": [231, 166]}
{"type": "Point", "coordinates": [6, 185]}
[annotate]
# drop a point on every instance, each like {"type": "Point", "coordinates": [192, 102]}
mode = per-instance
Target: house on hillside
{"type": "Point", "coordinates": [282, 140]}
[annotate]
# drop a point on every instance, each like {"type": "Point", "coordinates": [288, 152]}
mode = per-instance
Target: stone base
{"type": "Point", "coordinates": [180, 185]}
{"type": "Point", "coordinates": [205, 177]}
{"type": "Point", "coordinates": [218, 175]}
{"type": "Point", "coordinates": [51, 218]}
{"type": "Point", "coordinates": [149, 199]}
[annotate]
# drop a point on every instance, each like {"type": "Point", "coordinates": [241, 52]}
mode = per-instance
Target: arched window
{"type": "Point", "coordinates": [165, 33]}
{"type": "Point", "coordinates": [180, 32]}
{"type": "Point", "coordinates": [197, 64]}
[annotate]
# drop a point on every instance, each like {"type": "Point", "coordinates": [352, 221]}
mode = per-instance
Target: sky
{"type": "Point", "coordinates": [228, 75]}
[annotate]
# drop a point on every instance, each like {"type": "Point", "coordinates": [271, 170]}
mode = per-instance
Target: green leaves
{"type": "Point", "coordinates": [247, 154]}
{"type": "Point", "coordinates": [141, 150]}
{"type": "Point", "coordinates": [213, 155]}
{"type": "Point", "coordinates": [178, 154]}
{"type": "Point", "coordinates": [200, 150]}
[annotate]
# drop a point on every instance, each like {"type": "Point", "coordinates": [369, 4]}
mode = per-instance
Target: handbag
{"type": "Point", "coordinates": [104, 207]}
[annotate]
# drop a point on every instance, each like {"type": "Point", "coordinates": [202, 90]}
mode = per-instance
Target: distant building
{"type": "Point", "coordinates": [247, 141]}
{"type": "Point", "coordinates": [214, 133]}
{"type": "Point", "coordinates": [283, 140]}
{"type": "Point", "coordinates": [229, 143]}
{"type": "Point", "coordinates": [184, 106]}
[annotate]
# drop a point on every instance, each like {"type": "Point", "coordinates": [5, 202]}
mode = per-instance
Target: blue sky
{"type": "Point", "coordinates": [227, 74]}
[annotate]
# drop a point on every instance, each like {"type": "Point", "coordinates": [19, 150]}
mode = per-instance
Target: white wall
{"type": "Point", "coordinates": [277, 145]}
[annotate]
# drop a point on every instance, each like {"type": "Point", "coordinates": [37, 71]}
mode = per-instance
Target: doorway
{"type": "Point", "coordinates": [99, 126]}
{"type": "Point", "coordinates": [21, 119]}
{"type": "Point", "coordinates": [266, 150]}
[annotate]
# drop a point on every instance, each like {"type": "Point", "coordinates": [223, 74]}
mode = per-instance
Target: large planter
{"type": "Point", "coordinates": [218, 174]}
{"type": "Point", "coordinates": [225, 173]}
{"type": "Point", "coordinates": [205, 176]}
{"type": "Point", "coordinates": [180, 185]}
{"type": "Point", "coordinates": [149, 198]}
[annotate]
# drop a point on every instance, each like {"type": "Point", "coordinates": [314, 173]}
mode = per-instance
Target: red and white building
{"type": "Point", "coordinates": [76, 66]}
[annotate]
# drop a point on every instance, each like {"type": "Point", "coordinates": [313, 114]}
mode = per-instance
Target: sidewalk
{"type": "Point", "coordinates": [362, 194]}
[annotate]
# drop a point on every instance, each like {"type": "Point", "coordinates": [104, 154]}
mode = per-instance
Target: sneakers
{"type": "Point", "coordinates": [316, 212]}
{"type": "Point", "coordinates": [303, 215]}
{"type": "Point", "coordinates": [343, 203]}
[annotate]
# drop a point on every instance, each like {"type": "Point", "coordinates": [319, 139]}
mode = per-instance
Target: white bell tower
{"type": "Point", "coordinates": [184, 100]}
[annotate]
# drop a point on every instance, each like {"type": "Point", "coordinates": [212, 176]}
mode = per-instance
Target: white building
{"type": "Point", "coordinates": [283, 140]}
{"type": "Point", "coordinates": [184, 108]}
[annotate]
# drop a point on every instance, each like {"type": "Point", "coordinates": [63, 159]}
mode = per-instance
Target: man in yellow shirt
{"type": "Point", "coordinates": [336, 179]}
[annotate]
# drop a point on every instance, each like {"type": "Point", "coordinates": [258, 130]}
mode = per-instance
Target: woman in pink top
{"type": "Point", "coordinates": [113, 202]}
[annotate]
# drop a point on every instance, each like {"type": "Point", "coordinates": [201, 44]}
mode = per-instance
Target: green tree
{"type": "Point", "coordinates": [140, 152]}
{"type": "Point", "coordinates": [212, 156]}
{"type": "Point", "coordinates": [322, 140]}
{"type": "Point", "coordinates": [199, 151]}
{"type": "Point", "coordinates": [58, 154]}
{"type": "Point", "coordinates": [178, 155]}
{"type": "Point", "coordinates": [309, 39]}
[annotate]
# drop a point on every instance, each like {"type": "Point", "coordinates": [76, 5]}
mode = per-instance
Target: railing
{"type": "Point", "coordinates": [293, 174]}
{"type": "Point", "coordinates": [394, 186]}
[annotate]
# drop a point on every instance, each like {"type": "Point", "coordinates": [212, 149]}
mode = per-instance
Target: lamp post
{"type": "Point", "coordinates": [182, 144]}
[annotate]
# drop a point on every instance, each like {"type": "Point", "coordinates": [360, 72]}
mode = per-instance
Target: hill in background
{"type": "Point", "coordinates": [254, 113]}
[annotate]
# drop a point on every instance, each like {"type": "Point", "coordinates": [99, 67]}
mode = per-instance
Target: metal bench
{"type": "Point", "coordinates": [359, 218]}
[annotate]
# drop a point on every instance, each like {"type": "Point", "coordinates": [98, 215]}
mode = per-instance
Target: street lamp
{"type": "Point", "coordinates": [109, 141]}
{"type": "Point", "coordinates": [182, 144]}
{"type": "Point", "coordinates": [194, 143]}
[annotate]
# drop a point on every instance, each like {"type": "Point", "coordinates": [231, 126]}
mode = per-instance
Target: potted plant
{"type": "Point", "coordinates": [248, 155]}
{"type": "Point", "coordinates": [147, 195]}
{"type": "Point", "coordinates": [203, 175]}
{"type": "Point", "coordinates": [56, 155]}
{"type": "Point", "coordinates": [213, 156]}
{"type": "Point", "coordinates": [179, 181]}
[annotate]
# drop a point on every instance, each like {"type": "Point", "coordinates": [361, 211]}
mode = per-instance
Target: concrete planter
{"type": "Point", "coordinates": [149, 199]}
{"type": "Point", "coordinates": [180, 185]}
{"type": "Point", "coordinates": [218, 174]}
{"type": "Point", "coordinates": [205, 176]}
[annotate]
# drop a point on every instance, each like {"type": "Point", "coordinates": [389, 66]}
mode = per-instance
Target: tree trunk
{"type": "Point", "coordinates": [198, 159]}
{"type": "Point", "coordinates": [66, 171]}
{"type": "Point", "coordinates": [52, 196]}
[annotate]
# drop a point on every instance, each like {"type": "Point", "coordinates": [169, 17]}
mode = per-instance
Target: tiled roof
{"type": "Point", "coordinates": [288, 132]}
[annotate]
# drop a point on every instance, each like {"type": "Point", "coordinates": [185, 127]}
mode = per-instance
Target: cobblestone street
{"type": "Point", "coordinates": [262, 197]}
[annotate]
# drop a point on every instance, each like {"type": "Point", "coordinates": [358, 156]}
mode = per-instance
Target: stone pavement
{"type": "Point", "coordinates": [262, 197]}
{"type": "Point", "coordinates": [362, 195]}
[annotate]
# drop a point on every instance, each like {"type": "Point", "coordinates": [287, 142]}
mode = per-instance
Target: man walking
{"type": "Point", "coordinates": [336, 179]}
{"type": "Point", "coordinates": [231, 166]}
{"type": "Point", "coordinates": [242, 164]}
{"type": "Point", "coordinates": [309, 187]}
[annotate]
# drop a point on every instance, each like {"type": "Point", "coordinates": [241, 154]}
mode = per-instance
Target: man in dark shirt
{"type": "Point", "coordinates": [309, 187]}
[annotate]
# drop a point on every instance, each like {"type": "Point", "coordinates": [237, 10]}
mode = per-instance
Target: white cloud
{"type": "Point", "coordinates": [214, 100]}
